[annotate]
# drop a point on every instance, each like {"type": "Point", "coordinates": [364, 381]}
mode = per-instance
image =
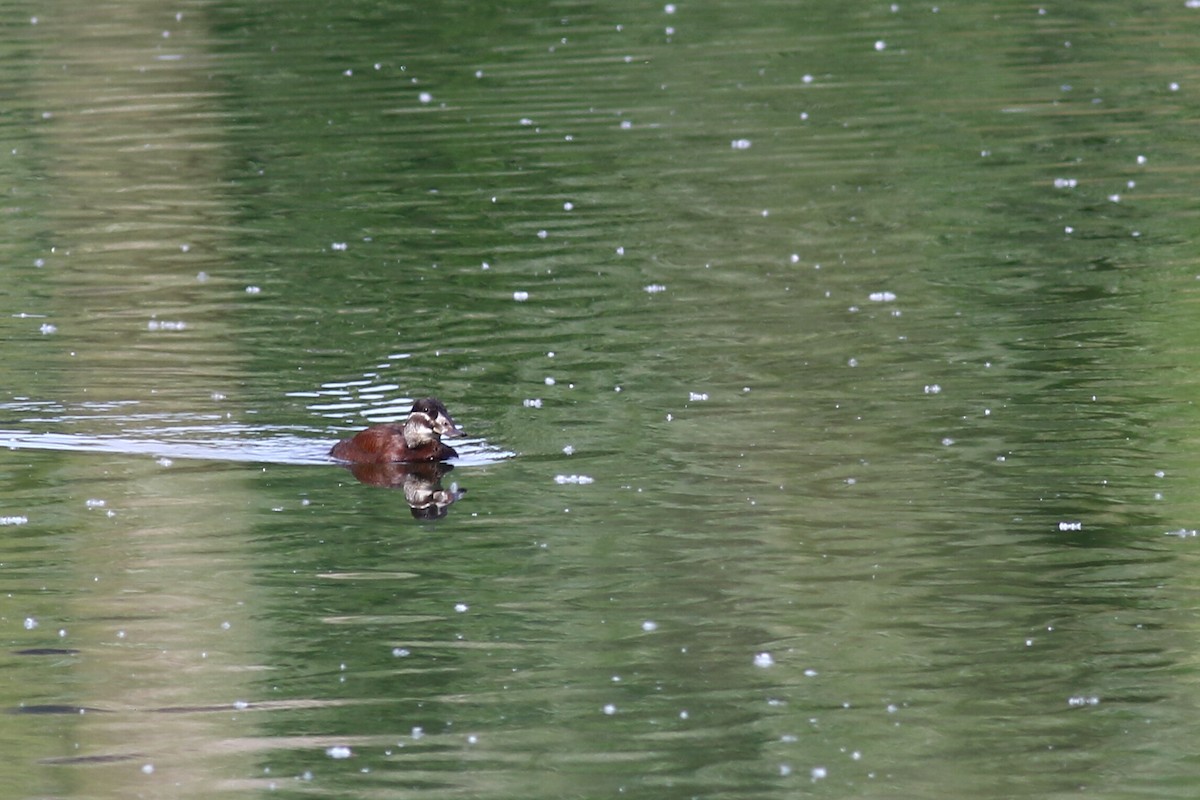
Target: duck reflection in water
{"type": "Point", "coordinates": [407, 455]}
{"type": "Point", "coordinates": [422, 485]}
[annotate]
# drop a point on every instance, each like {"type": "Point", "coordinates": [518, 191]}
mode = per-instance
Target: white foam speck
{"type": "Point", "coordinates": [338, 751]}
{"type": "Point", "coordinates": [520, 297]}
{"type": "Point", "coordinates": [581, 480]}
{"type": "Point", "coordinates": [763, 660]}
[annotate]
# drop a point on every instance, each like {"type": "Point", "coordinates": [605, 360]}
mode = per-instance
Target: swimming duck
{"type": "Point", "coordinates": [418, 438]}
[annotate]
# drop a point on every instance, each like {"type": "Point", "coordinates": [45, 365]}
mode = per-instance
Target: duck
{"type": "Point", "coordinates": [417, 439]}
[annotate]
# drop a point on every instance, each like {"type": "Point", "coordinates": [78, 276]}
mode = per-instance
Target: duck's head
{"type": "Point", "coordinates": [429, 421]}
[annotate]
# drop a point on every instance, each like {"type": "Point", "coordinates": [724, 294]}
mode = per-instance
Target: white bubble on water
{"type": "Point", "coordinates": [763, 660]}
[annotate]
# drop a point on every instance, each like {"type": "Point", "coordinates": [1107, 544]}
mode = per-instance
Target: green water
{"type": "Point", "coordinates": [828, 370]}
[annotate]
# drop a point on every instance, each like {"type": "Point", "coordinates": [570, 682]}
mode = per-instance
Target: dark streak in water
{"type": "Point", "coordinates": [111, 758]}
{"type": "Point", "coordinates": [54, 708]}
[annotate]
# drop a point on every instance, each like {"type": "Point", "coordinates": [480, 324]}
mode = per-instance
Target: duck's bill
{"type": "Point", "coordinates": [446, 426]}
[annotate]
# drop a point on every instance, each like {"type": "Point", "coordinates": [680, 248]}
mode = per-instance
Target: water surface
{"type": "Point", "coordinates": [827, 368]}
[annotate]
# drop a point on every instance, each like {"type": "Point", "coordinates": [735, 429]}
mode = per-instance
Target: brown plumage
{"type": "Point", "coordinates": [418, 438]}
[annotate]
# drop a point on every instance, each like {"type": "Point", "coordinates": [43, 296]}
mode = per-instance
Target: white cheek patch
{"type": "Point", "coordinates": [418, 429]}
